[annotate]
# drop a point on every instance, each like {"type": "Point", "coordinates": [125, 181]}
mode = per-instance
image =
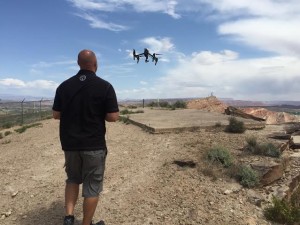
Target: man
{"type": "Point", "coordinates": [82, 104]}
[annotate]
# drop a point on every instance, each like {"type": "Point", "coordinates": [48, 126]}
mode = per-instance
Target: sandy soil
{"type": "Point", "coordinates": [143, 184]}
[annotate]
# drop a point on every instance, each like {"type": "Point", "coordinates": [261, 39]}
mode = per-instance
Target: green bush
{"type": "Point", "coordinates": [25, 127]}
{"type": "Point", "coordinates": [218, 124]}
{"type": "Point", "coordinates": [124, 119]}
{"type": "Point", "coordinates": [282, 212]}
{"type": "Point", "coordinates": [152, 104]}
{"type": "Point", "coordinates": [235, 126]}
{"type": "Point", "coordinates": [6, 133]}
{"type": "Point", "coordinates": [126, 111]}
{"type": "Point", "coordinates": [220, 155]}
{"type": "Point", "coordinates": [247, 176]}
{"type": "Point", "coordinates": [265, 149]}
{"type": "Point", "coordinates": [179, 104]}
{"type": "Point", "coordinates": [269, 149]}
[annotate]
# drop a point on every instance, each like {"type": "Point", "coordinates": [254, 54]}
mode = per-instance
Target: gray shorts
{"type": "Point", "coordinates": [86, 168]}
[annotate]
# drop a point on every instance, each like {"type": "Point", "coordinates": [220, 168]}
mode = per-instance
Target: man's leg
{"type": "Point", "coordinates": [71, 196]}
{"type": "Point", "coordinates": [89, 207]}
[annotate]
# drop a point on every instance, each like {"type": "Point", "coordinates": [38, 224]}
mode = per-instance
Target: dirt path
{"type": "Point", "coordinates": [142, 185]}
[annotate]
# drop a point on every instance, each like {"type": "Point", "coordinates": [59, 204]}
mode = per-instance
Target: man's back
{"type": "Point", "coordinates": [83, 101]}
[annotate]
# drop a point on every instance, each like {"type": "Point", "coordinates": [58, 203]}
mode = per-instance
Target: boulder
{"type": "Point", "coordinates": [268, 172]}
{"type": "Point", "coordinates": [230, 110]}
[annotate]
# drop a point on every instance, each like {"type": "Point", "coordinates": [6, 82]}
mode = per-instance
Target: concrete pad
{"type": "Point", "coordinates": [161, 121]}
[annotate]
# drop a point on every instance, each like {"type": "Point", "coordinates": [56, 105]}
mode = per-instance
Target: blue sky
{"type": "Point", "coordinates": [234, 48]}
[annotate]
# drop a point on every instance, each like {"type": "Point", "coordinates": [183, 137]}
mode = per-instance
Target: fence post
{"type": "Point", "coordinates": [22, 121]}
{"type": "Point", "coordinates": [41, 108]}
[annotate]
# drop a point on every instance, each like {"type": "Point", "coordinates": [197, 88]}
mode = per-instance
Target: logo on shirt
{"type": "Point", "coordinates": [82, 78]}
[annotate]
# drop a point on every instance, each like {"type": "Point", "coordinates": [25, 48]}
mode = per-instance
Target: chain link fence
{"type": "Point", "coordinates": [24, 112]}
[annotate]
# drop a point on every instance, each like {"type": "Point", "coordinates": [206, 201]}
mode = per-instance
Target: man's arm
{"type": "Point", "coordinates": [56, 115]}
{"type": "Point", "coordinates": [112, 117]}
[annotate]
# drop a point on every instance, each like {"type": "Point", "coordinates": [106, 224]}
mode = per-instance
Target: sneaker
{"type": "Point", "coordinates": [101, 222]}
{"type": "Point", "coordinates": [69, 220]}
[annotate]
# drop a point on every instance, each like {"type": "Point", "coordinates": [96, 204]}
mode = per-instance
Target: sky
{"type": "Point", "coordinates": [241, 49]}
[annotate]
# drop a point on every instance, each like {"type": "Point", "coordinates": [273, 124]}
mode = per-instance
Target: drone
{"type": "Point", "coordinates": [146, 54]}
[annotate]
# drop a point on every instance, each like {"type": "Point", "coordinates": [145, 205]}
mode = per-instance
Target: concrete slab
{"type": "Point", "coordinates": [161, 121]}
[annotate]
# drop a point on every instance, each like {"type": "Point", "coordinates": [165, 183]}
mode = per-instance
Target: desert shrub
{"type": "Point", "coordinates": [6, 133]}
{"type": "Point", "coordinates": [126, 111]}
{"type": "Point", "coordinates": [7, 125]}
{"type": "Point", "coordinates": [164, 104]}
{"type": "Point", "coordinates": [6, 142]}
{"type": "Point", "coordinates": [179, 104]}
{"type": "Point", "coordinates": [269, 149]}
{"type": "Point", "coordinates": [221, 155]}
{"type": "Point", "coordinates": [124, 119]}
{"type": "Point", "coordinates": [282, 212]}
{"type": "Point", "coordinates": [152, 104]}
{"type": "Point", "coordinates": [25, 127]}
{"type": "Point", "coordinates": [235, 126]}
{"type": "Point", "coordinates": [131, 107]}
{"type": "Point", "coordinates": [218, 124]}
{"type": "Point", "coordinates": [265, 149]}
{"type": "Point", "coordinates": [251, 141]}
{"type": "Point", "coordinates": [247, 176]}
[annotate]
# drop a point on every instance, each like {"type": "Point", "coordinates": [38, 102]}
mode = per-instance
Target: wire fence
{"type": "Point", "coordinates": [24, 112]}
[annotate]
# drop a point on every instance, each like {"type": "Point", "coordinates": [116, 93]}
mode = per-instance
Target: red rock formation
{"type": "Point", "coordinates": [270, 116]}
{"type": "Point", "coordinates": [211, 104]}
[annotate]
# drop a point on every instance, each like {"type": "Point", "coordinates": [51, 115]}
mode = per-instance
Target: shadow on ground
{"type": "Point", "coordinates": [52, 215]}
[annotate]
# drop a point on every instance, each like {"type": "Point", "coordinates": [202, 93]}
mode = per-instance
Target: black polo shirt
{"type": "Point", "coordinates": [83, 101]}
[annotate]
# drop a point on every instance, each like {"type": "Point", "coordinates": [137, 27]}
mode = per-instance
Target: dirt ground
{"type": "Point", "coordinates": [145, 182]}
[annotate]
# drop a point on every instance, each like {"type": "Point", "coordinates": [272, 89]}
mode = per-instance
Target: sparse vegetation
{"type": "Point", "coordinates": [282, 212]}
{"type": "Point", "coordinates": [126, 111]}
{"type": "Point", "coordinates": [7, 125]}
{"type": "Point", "coordinates": [124, 119]}
{"type": "Point", "coordinates": [6, 133]}
{"type": "Point", "coordinates": [164, 104]}
{"type": "Point", "coordinates": [218, 124]}
{"type": "Point", "coordinates": [265, 149]}
{"type": "Point", "coordinates": [6, 142]}
{"type": "Point", "coordinates": [25, 127]}
{"type": "Point", "coordinates": [221, 155]}
{"type": "Point", "coordinates": [246, 176]}
{"type": "Point", "coordinates": [235, 126]}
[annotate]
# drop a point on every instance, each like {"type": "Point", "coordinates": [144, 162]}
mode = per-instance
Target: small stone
{"type": "Point", "coordinates": [227, 192]}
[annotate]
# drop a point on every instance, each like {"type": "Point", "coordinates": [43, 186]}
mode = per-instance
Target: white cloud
{"type": "Point", "coordinates": [34, 88]}
{"type": "Point", "coordinates": [268, 25]}
{"type": "Point", "coordinates": [158, 44]}
{"type": "Point", "coordinates": [43, 64]}
{"type": "Point", "coordinates": [86, 7]}
{"type": "Point", "coordinates": [12, 82]}
{"type": "Point", "coordinates": [98, 23]}
{"type": "Point", "coordinates": [143, 82]}
{"type": "Point", "coordinates": [226, 75]}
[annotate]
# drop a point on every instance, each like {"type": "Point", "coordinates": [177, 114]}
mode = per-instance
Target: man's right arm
{"type": "Point", "coordinates": [56, 115]}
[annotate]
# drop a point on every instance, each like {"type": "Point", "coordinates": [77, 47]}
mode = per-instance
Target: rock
{"type": "Point", "coordinates": [14, 194]}
{"type": "Point", "coordinates": [255, 198]}
{"type": "Point", "coordinates": [230, 110]}
{"type": "Point", "coordinates": [227, 192]}
{"type": "Point", "coordinates": [211, 104]}
{"type": "Point", "coordinates": [268, 171]}
{"type": "Point", "coordinates": [271, 117]}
